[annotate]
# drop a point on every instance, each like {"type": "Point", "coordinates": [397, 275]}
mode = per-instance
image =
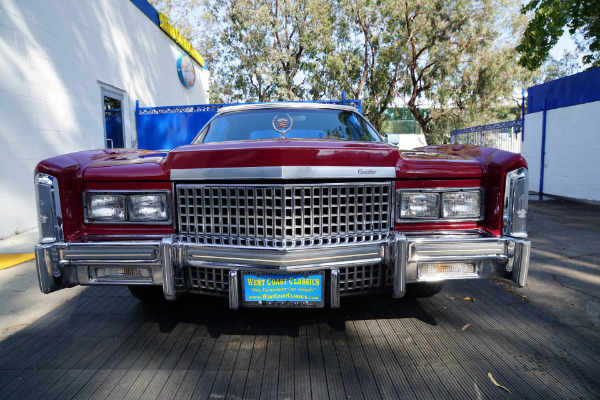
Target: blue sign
{"type": "Point", "coordinates": [186, 71]}
{"type": "Point", "coordinates": [283, 288]}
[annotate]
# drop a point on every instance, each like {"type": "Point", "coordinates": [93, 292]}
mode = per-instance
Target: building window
{"type": "Point", "coordinates": [113, 119]}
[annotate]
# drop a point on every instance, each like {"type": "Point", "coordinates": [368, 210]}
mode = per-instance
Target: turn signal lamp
{"type": "Point", "coordinates": [121, 274]}
{"type": "Point", "coordinates": [435, 271]}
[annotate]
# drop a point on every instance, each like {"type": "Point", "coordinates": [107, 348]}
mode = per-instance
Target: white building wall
{"type": "Point", "coordinates": [572, 161]}
{"type": "Point", "coordinates": [57, 55]}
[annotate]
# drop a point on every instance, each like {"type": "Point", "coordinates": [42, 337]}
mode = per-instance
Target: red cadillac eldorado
{"type": "Point", "coordinates": [282, 205]}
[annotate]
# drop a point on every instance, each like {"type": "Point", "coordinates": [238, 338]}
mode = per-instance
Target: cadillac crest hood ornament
{"type": "Point", "coordinates": [282, 124]}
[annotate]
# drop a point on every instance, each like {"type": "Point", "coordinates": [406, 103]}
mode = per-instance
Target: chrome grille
{"type": "Point", "coordinates": [209, 280]}
{"type": "Point", "coordinates": [365, 278]}
{"type": "Point", "coordinates": [285, 215]}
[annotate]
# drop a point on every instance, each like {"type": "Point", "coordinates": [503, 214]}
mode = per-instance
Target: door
{"type": "Point", "coordinates": [113, 119]}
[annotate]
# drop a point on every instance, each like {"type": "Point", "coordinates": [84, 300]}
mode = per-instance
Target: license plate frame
{"type": "Point", "coordinates": [283, 289]}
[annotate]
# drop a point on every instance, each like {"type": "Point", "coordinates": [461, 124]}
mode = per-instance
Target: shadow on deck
{"type": "Point", "coordinates": [105, 344]}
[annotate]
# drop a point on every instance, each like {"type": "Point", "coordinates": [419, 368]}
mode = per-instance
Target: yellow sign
{"type": "Point", "coordinates": [174, 34]}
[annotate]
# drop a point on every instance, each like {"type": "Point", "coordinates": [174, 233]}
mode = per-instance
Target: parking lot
{"type": "Point", "coordinates": [474, 340]}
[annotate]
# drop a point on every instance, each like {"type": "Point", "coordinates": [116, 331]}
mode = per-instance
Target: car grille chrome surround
{"type": "Point", "coordinates": [284, 215]}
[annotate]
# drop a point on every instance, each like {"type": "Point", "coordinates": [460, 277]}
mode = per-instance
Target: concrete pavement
{"type": "Point", "coordinates": [564, 272]}
{"type": "Point", "coordinates": [21, 301]}
{"type": "Point", "coordinates": [19, 244]}
{"type": "Point", "coordinates": [17, 249]}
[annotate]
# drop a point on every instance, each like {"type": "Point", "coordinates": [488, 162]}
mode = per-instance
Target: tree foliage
{"type": "Point", "coordinates": [453, 58]}
{"type": "Point", "coordinates": [549, 21]}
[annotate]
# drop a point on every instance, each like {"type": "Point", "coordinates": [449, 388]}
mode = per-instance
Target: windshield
{"type": "Point", "coordinates": [289, 123]}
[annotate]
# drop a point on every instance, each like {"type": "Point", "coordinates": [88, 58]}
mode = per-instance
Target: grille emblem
{"type": "Point", "coordinates": [282, 124]}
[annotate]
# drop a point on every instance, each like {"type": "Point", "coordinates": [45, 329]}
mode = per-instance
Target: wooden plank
{"type": "Point", "coordinates": [374, 347]}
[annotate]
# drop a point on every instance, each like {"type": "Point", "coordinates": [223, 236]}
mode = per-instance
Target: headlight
{"type": "Point", "coordinates": [516, 200]}
{"type": "Point", "coordinates": [147, 207]}
{"type": "Point", "coordinates": [138, 207]}
{"type": "Point", "coordinates": [106, 207]}
{"type": "Point", "coordinates": [460, 205]}
{"type": "Point", "coordinates": [439, 205]}
{"type": "Point", "coordinates": [420, 205]}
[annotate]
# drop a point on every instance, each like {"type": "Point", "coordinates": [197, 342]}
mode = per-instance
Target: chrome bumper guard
{"type": "Point", "coordinates": [61, 265]}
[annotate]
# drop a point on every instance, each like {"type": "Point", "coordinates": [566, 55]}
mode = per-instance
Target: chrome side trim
{"type": "Point", "coordinates": [521, 262]}
{"type": "Point", "coordinates": [334, 288]}
{"type": "Point", "coordinates": [284, 172]}
{"type": "Point", "coordinates": [44, 267]}
{"type": "Point", "coordinates": [50, 221]}
{"type": "Point", "coordinates": [515, 206]}
{"type": "Point", "coordinates": [234, 296]}
{"type": "Point", "coordinates": [400, 249]}
{"type": "Point", "coordinates": [168, 272]}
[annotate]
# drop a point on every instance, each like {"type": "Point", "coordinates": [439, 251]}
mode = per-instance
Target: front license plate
{"type": "Point", "coordinates": [298, 290]}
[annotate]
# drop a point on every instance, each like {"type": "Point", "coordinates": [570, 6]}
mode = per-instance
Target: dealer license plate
{"type": "Point", "coordinates": [297, 290]}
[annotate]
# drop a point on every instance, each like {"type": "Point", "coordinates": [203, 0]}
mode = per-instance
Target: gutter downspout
{"type": "Point", "coordinates": [543, 158]}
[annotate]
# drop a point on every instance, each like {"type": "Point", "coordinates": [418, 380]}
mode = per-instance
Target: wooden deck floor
{"type": "Point", "coordinates": [103, 344]}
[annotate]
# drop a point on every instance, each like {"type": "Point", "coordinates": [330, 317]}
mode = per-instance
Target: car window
{"type": "Point", "coordinates": [290, 123]}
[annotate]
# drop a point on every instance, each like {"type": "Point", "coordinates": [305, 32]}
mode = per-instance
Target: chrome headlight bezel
{"type": "Point", "coordinates": [516, 203]}
{"type": "Point", "coordinates": [127, 219]}
{"type": "Point", "coordinates": [439, 214]}
{"type": "Point", "coordinates": [49, 211]}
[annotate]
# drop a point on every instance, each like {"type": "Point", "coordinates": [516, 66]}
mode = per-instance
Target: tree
{"type": "Point", "coordinates": [265, 47]}
{"type": "Point", "coordinates": [549, 21]}
{"type": "Point", "coordinates": [401, 52]}
{"type": "Point", "coordinates": [449, 57]}
{"type": "Point", "coordinates": [363, 57]}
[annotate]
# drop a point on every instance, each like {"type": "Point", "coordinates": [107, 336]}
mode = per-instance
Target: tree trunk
{"type": "Point", "coordinates": [419, 117]}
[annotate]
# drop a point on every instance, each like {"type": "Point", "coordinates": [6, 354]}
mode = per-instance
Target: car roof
{"type": "Point", "coordinates": [289, 105]}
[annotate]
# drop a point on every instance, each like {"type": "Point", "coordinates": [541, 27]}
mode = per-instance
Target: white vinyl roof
{"type": "Point", "coordinates": [290, 105]}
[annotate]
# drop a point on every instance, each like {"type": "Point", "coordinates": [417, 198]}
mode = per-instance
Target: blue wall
{"type": "Point", "coordinates": [580, 88]}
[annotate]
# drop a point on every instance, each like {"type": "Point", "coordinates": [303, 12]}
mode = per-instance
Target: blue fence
{"type": "Point", "coordinates": [503, 135]}
{"type": "Point", "coordinates": [165, 128]}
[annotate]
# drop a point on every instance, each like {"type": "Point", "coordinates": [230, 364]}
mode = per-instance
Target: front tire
{"type": "Point", "coordinates": [424, 289]}
{"type": "Point", "coordinates": [148, 294]}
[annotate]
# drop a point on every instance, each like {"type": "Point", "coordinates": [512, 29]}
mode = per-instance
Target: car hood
{"type": "Point", "coordinates": [245, 159]}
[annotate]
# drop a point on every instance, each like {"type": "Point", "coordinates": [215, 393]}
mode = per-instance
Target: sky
{"type": "Point", "coordinates": [565, 42]}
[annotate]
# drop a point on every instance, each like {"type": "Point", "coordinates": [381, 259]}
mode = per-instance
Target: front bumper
{"type": "Point", "coordinates": [165, 262]}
